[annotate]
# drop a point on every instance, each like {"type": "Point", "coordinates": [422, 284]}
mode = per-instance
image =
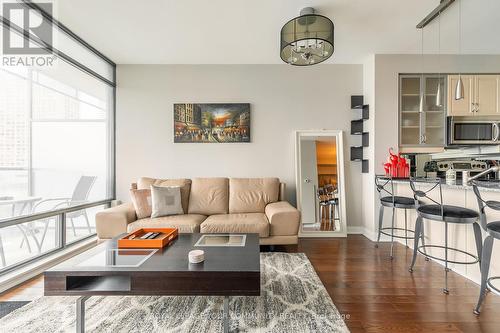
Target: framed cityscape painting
{"type": "Point", "coordinates": [212, 123]}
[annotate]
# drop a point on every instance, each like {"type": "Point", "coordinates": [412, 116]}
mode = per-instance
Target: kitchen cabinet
{"type": "Point", "coordinates": [486, 97]}
{"type": "Point", "coordinates": [422, 127]}
{"type": "Point", "coordinates": [462, 107]}
{"type": "Point", "coordinates": [481, 95]}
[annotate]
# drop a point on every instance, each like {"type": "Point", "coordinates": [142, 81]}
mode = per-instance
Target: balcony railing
{"type": "Point", "coordinates": [41, 234]}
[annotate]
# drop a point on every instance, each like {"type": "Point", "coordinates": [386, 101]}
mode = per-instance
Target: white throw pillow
{"type": "Point", "coordinates": [165, 200]}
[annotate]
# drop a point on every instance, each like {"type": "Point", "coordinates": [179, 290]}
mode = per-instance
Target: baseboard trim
{"type": "Point", "coordinates": [355, 230]}
{"type": "Point", "coordinates": [368, 234]}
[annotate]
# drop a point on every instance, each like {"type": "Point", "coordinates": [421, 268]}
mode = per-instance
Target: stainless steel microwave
{"type": "Point", "coordinates": [473, 132]}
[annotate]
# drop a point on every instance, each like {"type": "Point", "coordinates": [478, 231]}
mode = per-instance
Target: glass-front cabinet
{"type": "Point", "coordinates": [422, 110]}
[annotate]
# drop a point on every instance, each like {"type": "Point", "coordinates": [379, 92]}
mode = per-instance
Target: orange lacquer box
{"type": "Point", "coordinates": [167, 235]}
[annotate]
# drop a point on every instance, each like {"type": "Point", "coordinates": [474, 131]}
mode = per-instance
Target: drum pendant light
{"type": "Point", "coordinates": [307, 39]}
{"type": "Point", "coordinates": [459, 89]}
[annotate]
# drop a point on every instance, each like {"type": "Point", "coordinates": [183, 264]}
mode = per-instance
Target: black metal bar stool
{"type": "Point", "coordinates": [333, 200]}
{"type": "Point", "coordinates": [493, 231]}
{"type": "Point", "coordinates": [437, 211]}
{"type": "Point", "coordinates": [388, 199]}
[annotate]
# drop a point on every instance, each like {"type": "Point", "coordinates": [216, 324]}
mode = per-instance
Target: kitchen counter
{"type": "Point", "coordinates": [490, 186]}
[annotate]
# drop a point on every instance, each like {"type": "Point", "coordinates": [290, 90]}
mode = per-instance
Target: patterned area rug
{"type": "Point", "coordinates": [8, 307]}
{"type": "Point", "coordinates": [293, 299]}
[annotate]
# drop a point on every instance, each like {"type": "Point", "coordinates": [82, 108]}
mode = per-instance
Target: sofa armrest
{"type": "Point", "coordinates": [113, 221]}
{"type": "Point", "coordinates": [284, 219]}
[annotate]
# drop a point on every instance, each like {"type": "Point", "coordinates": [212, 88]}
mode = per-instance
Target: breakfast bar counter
{"type": "Point", "coordinates": [493, 185]}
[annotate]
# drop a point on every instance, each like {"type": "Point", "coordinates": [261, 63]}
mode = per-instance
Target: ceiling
{"type": "Point", "coordinates": [247, 32]}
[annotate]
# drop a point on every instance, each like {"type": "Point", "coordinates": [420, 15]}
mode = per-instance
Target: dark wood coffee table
{"type": "Point", "coordinates": [226, 271]}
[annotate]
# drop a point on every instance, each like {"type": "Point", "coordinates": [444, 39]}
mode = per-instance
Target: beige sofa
{"type": "Point", "coordinates": [215, 205]}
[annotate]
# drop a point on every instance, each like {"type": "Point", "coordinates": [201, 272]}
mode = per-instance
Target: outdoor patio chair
{"type": "Point", "coordinates": [80, 196]}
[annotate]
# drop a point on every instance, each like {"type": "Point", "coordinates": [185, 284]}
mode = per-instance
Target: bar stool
{"type": "Point", "coordinates": [323, 203]}
{"type": "Point", "coordinates": [333, 200]}
{"type": "Point", "coordinates": [437, 211]}
{"type": "Point", "coordinates": [493, 231]}
{"type": "Point", "coordinates": [388, 199]}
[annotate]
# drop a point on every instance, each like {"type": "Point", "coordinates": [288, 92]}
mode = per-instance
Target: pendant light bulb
{"type": "Point", "coordinates": [459, 89]}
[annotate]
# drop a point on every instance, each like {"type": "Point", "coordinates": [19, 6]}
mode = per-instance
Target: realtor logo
{"type": "Point", "coordinates": [32, 22]}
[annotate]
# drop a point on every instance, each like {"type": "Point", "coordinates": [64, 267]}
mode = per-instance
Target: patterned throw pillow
{"type": "Point", "coordinates": [166, 200]}
{"type": "Point", "coordinates": [142, 202]}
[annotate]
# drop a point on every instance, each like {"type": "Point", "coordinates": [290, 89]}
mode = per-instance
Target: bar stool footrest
{"type": "Point", "coordinates": [494, 289]}
{"type": "Point", "coordinates": [421, 247]}
{"type": "Point", "coordinates": [394, 235]}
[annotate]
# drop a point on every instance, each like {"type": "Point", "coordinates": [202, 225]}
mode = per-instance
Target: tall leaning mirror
{"type": "Point", "coordinates": [320, 183]}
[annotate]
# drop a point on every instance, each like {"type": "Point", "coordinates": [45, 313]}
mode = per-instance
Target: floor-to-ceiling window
{"type": "Point", "coordinates": [56, 147]}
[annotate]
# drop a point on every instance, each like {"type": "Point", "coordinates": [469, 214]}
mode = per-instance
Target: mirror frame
{"type": "Point", "coordinates": [342, 232]}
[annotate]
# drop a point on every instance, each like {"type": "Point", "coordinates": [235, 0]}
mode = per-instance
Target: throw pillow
{"type": "Point", "coordinates": [142, 202]}
{"type": "Point", "coordinates": [185, 185]}
{"type": "Point", "coordinates": [166, 200]}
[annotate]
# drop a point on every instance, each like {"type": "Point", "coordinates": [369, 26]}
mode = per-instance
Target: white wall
{"type": "Point", "coordinates": [283, 99]}
{"type": "Point", "coordinates": [368, 181]}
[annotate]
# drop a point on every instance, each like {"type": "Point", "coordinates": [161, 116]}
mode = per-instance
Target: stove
{"type": "Point", "coordinates": [461, 165]}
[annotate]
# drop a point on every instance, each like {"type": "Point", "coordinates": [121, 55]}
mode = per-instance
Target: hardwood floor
{"type": "Point", "coordinates": [27, 291]}
{"type": "Point", "coordinates": [376, 294]}
{"type": "Point", "coordinates": [379, 295]}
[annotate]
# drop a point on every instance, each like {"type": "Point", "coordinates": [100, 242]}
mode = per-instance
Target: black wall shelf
{"type": "Point", "coordinates": [357, 153]}
{"type": "Point", "coordinates": [357, 128]}
{"type": "Point", "coordinates": [357, 101]}
{"type": "Point", "coordinates": [365, 112]}
{"type": "Point", "coordinates": [365, 139]}
{"type": "Point", "coordinates": [364, 166]}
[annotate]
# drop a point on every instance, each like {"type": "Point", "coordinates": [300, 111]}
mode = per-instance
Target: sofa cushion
{"type": "Point", "coordinates": [209, 196]}
{"type": "Point", "coordinates": [187, 223]}
{"type": "Point", "coordinates": [237, 223]}
{"type": "Point", "coordinates": [184, 184]}
{"type": "Point", "coordinates": [251, 195]}
{"type": "Point", "coordinates": [284, 219]}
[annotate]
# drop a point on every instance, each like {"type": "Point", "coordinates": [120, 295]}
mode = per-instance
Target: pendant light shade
{"type": "Point", "coordinates": [421, 106]}
{"type": "Point", "coordinates": [439, 98]}
{"type": "Point", "coordinates": [459, 89]}
{"type": "Point", "coordinates": [307, 39]}
{"type": "Point", "coordinates": [422, 99]}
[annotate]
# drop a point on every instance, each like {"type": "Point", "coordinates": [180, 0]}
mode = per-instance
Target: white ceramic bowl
{"type": "Point", "coordinates": [196, 256]}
